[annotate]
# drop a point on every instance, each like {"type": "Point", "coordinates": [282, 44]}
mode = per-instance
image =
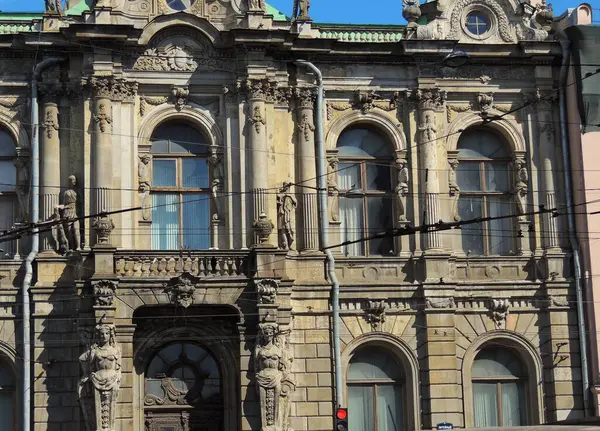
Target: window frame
{"type": "Point", "coordinates": [483, 194]}
{"type": "Point", "coordinates": [11, 390]}
{"type": "Point", "coordinates": [362, 162]}
{"type": "Point", "coordinates": [204, 193]}
{"type": "Point", "coordinates": [10, 195]}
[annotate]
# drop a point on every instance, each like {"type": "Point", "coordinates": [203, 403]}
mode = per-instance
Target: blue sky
{"type": "Point", "coordinates": [336, 11]}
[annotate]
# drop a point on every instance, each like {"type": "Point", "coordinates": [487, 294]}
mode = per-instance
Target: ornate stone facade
{"type": "Point", "coordinates": [192, 231]}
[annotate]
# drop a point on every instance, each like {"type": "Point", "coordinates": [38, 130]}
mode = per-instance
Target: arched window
{"type": "Point", "coordinates": [483, 177]}
{"type": "Point", "coordinates": [365, 181]}
{"type": "Point", "coordinates": [8, 186]}
{"type": "Point", "coordinates": [7, 396]}
{"type": "Point", "coordinates": [180, 187]}
{"type": "Point", "coordinates": [499, 385]}
{"type": "Point", "coordinates": [375, 391]}
{"type": "Point", "coordinates": [183, 386]}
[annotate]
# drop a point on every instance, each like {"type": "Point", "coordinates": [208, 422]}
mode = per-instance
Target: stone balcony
{"type": "Point", "coordinates": [201, 263]}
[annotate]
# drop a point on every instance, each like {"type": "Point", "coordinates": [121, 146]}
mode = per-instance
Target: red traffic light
{"type": "Point", "coordinates": [342, 414]}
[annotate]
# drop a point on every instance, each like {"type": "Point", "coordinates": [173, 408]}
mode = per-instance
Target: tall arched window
{"type": "Point", "coordinates": [365, 181]}
{"type": "Point", "coordinates": [375, 391]}
{"type": "Point", "coordinates": [483, 178]}
{"type": "Point", "coordinates": [183, 390]}
{"type": "Point", "coordinates": [180, 187]}
{"type": "Point", "coordinates": [499, 386]}
{"type": "Point", "coordinates": [7, 396]}
{"type": "Point", "coordinates": [8, 186]}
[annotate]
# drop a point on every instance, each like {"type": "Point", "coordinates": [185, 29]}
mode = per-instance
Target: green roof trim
{"type": "Point", "coordinates": [18, 22]}
{"type": "Point", "coordinates": [79, 8]}
{"type": "Point", "coordinates": [20, 16]}
{"type": "Point", "coordinates": [277, 14]}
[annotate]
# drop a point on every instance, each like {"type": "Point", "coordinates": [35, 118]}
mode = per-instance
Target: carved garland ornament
{"type": "Point", "coordinates": [457, 13]}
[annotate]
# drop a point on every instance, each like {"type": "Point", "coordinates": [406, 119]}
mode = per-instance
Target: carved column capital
{"type": "Point", "coordinates": [432, 99]}
{"type": "Point", "coordinates": [101, 86]}
{"type": "Point", "coordinates": [51, 91]}
{"type": "Point", "coordinates": [104, 292]}
{"type": "Point", "coordinates": [259, 89]}
{"type": "Point", "coordinates": [109, 87]}
{"type": "Point", "coordinates": [124, 91]}
{"type": "Point", "coordinates": [305, 97]}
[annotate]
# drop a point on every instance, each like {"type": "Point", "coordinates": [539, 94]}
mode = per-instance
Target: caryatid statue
{"type": "Point", "coordinates": [101, 379]}
{"type": "Point", "coordinates": [274, 382]}
{"type": "Point", "coordinates": [68, 231]}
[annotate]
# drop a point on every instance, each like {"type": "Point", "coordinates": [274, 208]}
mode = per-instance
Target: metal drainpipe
{"type": "Point", "coordinates": [564, 140]}
{"type": "Point", "coordinates": [324, 231]}
{"type": "Point", "coordinates": [35, 241]}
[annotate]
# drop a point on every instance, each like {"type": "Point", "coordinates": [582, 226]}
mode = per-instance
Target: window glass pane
{"type": "Point", "coordinates": [497, 363]}
{"type": "Point", "coordinates": [182, 138]}
{"type": "Point", "coordinates": [379, 213]}
{"type": "Point", "coordinates": [467, 176]}
{"type": "Point", "coordinates": [481, 143]}
{"type": "Point", "coordinates": [154, 387]}
{"type": "Point", "coordinates": [7, 410]}
{"type": "Point", "coordinates": [389, 407]}
{"type": "Point", "coordinates": [7, 377]}
{"type": "Point", "coordinates": [513, 404]}
{"type": "Point", "coordinates": [7, 219]}
{"type": "Point", "coordinates": [363, 143]}
{"type": "Point", "coordinates": [165, 221]}
{"type": "Point", "coordinates": [195, 173]}
{"type": "Point", "coordinates": [349, 176]}
{"type": "Point", "coordinates": [164, 173]}
{"type": "Point", "coordinates": [352, 225]}
{"type": "Point", "coordinates": [196, 221]}
{"type": "Point", "coordinates": [160, 146]}
{"type": "Point", "coordinates": [8, 176]}
{"type": "Point", "coordinates": [485, 404]}
{"type": "Point", "coordinates": [378, 177]}
{"type": "Point", "coordinates": [360, 408]}
{"type": "Point", "coordinates": [500, 231]}
{"type": "Point", "coordinates": [8, 147]}
{"type": "Point", "coordinates": [496, 177]}
{"type": "Point", "coordinates": [373, 363]}
{"type": "Point", "coordinates": [472, 234]}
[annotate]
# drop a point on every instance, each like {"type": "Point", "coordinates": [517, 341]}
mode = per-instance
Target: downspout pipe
{"type": "Point", "coordinates": [35, 241]}
{"type": "Point", "coordinates": [564, 140]}
{"type": "Point", "coordinates": [324, 231]}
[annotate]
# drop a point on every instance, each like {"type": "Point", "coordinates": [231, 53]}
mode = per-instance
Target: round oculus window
{"type": "Point", "coordinates": [180, 4]}
{"type": "Point", "coordinates": [477, 23]}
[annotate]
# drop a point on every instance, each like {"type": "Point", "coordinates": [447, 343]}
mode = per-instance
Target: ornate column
{"type": "Point", "coordinates": [257, 90]}
{"type": "Point", "coordinates": [430, 100]}
{"type": "Point", "coordinates": [546, 144]}
{"type": "Point", "coordinates": [307, 171]}
{"type": "Point", "coordinates": [101, 155]}
{"type": "Point", "coordinates": [49, 157]}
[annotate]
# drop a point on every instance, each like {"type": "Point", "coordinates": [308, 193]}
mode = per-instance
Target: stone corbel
{"type": "Point", "coordinates": [485, 102]}
{"type": "Point", "coordinates": [439, 303]}
{"type": "Point", "coordinates": [375, 314]}
{"type": "Point", "coordinates": [498, 311]}
{"type": "Point", "coordinates": [453, 188]}
{"type": "Point", "coordinates": [181, 289]}
{"type": "Point", "coordinates": [179, 97]}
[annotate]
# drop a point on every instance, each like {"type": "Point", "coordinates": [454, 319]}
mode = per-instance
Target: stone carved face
{"type": "Point", "coordinates": [72, 181]}
{"type": "Point", "coordinates": [103, 335]}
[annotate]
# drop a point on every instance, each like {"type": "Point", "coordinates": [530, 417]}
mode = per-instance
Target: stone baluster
{"type": "Point", "coordinates": [430, 101]}
{"type": "Point", "coordinates": [547, 141]}
{"type": "Point", "coordinates": [50, 157]}
{"type": "Point", "coordinates": [257, 90]}
{"type": "Point", "coordinates": [102, 156]}
{"type": "Point", "coordinates": [307, 172]}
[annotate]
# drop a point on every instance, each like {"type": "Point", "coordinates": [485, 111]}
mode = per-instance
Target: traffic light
{"type": "Point", "coordinates": [341, 419]}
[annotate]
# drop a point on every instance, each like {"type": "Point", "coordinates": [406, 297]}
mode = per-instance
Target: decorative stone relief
{"type": "Point", "coordinates": [104, 116]}
{"type": "Point", "coordinates": [112, 88]}
{"type": "Point", "coordinates": [498, 311]}
{"type": "Point", "coordinates": [536, 22]}
{"type": "Point", "coordinates": [145, 184]}
{"type": "Point", "coordinates": [103, 226]}
{"type": "Point", "coordinates": [104, 292]}
{"type": "Point", "coordinates": [256, 5]}
{"type": "Point", "coordinates": [439, 303]}
{"type": "Point", "coordinates": [66, 233]}
{"type": "Point", "coordinates": [559, 301]}
{"type": "Point", "coordinates": [274, 380]}
{"type": "Point", "coordinates": [485, 102]}
{"type": "Point", "coordinates": [50, 123]}
{"type": "Point", "coordinates": [402, 188]}
{"type": "Point", "coordinates": [180, 97]}
{"type": "Point", "coordinates": [101, 378]}
{"type": "Point", "coordinates": [259, 89]}
{"type": "Point", "coordinates": [336, 107]}
{"type": "Point", "coordinates": [430, 98]}
{"type": "Point", "coordinates": [263, 227]}
{"type": "Point", "coordinates": [305, 127]}
{"type": "Point", "coordinates": [375, 314]}
{"type": "Point", "coordinates": [456, 25]}
{"type": "Point", "coordinates": [452, 109]}
{"type": "Point", "coordinates": [18, 105]}
{"type": "Point", "coordinates": [145, 101]}
{"type": "Point", "coordinates": [173, 58]}
{"type": "Point", "coordinates": [333, 189]}
{"type": "Point", "coordinates": [266, 289]}
{"type": "Point", "coordinates": [286, 219]}
{"type": "Point", "coordinates": [181, 289]}
{"type": "Point", "coordinates": [483, 73]}
{"type": "Point", "coordinates": [257, 119]}
{"type": "Point", "coordinates": [521, 186]}
{"type": "Point", "coordinates": [453, 188]}
{"type": "Point", "coordinates": [305, 96]}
